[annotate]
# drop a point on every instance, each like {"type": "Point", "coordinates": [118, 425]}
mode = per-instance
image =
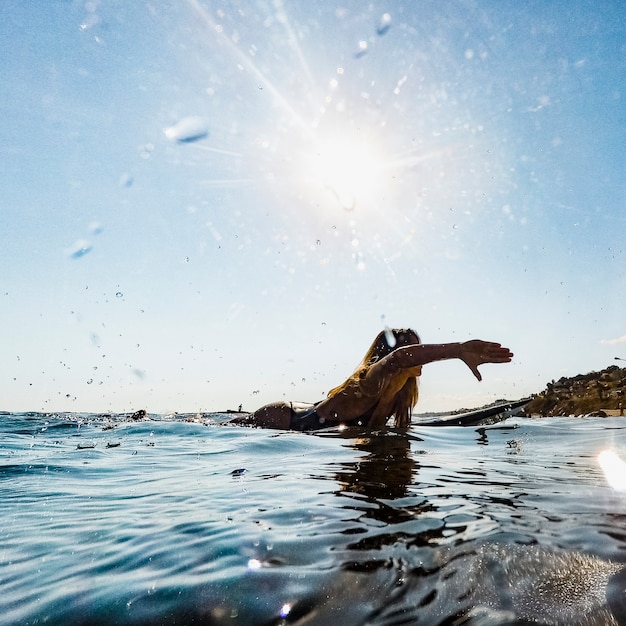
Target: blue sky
{"type": "Point", "coordinates": [455, 167]}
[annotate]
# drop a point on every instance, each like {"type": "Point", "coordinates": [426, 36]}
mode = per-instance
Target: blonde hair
{"type": "Point", "coordinates": [385, 343]}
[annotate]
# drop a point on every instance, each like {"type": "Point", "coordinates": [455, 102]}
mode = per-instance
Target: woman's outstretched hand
{"type": "Point", "coordinates": [477, 352]}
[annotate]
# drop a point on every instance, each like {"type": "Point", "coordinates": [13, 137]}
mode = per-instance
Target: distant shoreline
{"type": "Point", "coordinates": [583, 394]}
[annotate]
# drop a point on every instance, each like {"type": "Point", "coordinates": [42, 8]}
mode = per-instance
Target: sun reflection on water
{"type": "Point", "coordinates": [614, 469]}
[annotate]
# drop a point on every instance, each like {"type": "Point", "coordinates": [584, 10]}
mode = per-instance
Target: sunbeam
{"type": "Point", "coordinates": [282, 17]}
{"type": "Point", "coordinates": [218, 151]}
{"type": "Point", "coordinates": [246, 62]}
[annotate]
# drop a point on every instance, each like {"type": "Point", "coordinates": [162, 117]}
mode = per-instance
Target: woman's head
{"type": "Point", "coordinates": [387, 341]}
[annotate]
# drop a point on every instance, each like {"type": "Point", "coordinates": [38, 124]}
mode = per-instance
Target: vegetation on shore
{"type": "Point", "coordinates": [582, 394]}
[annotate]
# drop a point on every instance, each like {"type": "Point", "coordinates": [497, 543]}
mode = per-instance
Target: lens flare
{"type": "Point", "coordinates": [614, 469]}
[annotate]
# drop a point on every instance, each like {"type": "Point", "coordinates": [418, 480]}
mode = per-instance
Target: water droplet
{"type": "Point", "coordinates": [360, 265]}
{"type": "Point", "coordinates": [79, 248]}
{"type": "Point", "coordinates": [90, 381]}
{"type": "Point", "coordinates": [390, 338]}
{"type": "Point", "coordinates": [384, 24]}
{"type": "Point", "coordinates": [146, 151]}
{"type": "Point", "coordinates": [126, 180]}
{"type": "Point", "coordinates": [399, 85]}
{"type": "Point", "coordinates": [187, 130]}
{"type": "Point", "coordinates": [119, 294]}
{"type": "Point", "coordinates": [362, 51]}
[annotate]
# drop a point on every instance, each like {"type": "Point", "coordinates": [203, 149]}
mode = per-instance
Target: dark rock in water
{"type": "Point", "coordinates": [138, 415]}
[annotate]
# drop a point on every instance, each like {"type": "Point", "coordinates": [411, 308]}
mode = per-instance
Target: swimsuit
{"type": "Point", "coordinates": [308, 419]}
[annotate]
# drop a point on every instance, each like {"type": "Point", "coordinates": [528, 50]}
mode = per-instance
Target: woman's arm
{"type": "Point", "coordinates": [472, 353]}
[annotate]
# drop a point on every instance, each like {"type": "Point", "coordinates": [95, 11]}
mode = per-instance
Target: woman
{"type": "Point", "coordinates": [384, 385]}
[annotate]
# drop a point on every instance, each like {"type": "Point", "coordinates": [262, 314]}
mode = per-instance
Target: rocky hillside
{"type": "Point", "coordinates": [582, 394]}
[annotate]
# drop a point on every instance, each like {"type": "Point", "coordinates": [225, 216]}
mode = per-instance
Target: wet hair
{"type": "Point", "coordinates": [385, 343]}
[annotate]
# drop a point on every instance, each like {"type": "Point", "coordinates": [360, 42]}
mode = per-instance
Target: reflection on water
{"type": "Point", "coordinates": [162, 520]}
{"type": "Point", "coordinates": [385, 471]}
{"type": "Point", "coordinates": [378, 485]}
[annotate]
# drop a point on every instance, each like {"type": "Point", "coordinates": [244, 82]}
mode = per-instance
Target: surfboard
{"type": "Point", "coordinates": [495, 413]}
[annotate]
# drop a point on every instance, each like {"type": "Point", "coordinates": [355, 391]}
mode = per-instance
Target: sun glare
{"type": "Point", "coordinates": [349, 170]}
{"type": "Point", "coordinates": [614, 469]}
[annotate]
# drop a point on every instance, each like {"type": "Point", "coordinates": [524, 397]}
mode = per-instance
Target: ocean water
{"type": "Point", "coordinates": [182, 520]}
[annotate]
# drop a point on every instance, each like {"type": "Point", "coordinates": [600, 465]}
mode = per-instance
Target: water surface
{"type": "Point", "coordinates": [178, 520]}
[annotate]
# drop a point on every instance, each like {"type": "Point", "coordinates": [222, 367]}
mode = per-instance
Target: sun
{"type": "Point", "coordinates": [349, 169]}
